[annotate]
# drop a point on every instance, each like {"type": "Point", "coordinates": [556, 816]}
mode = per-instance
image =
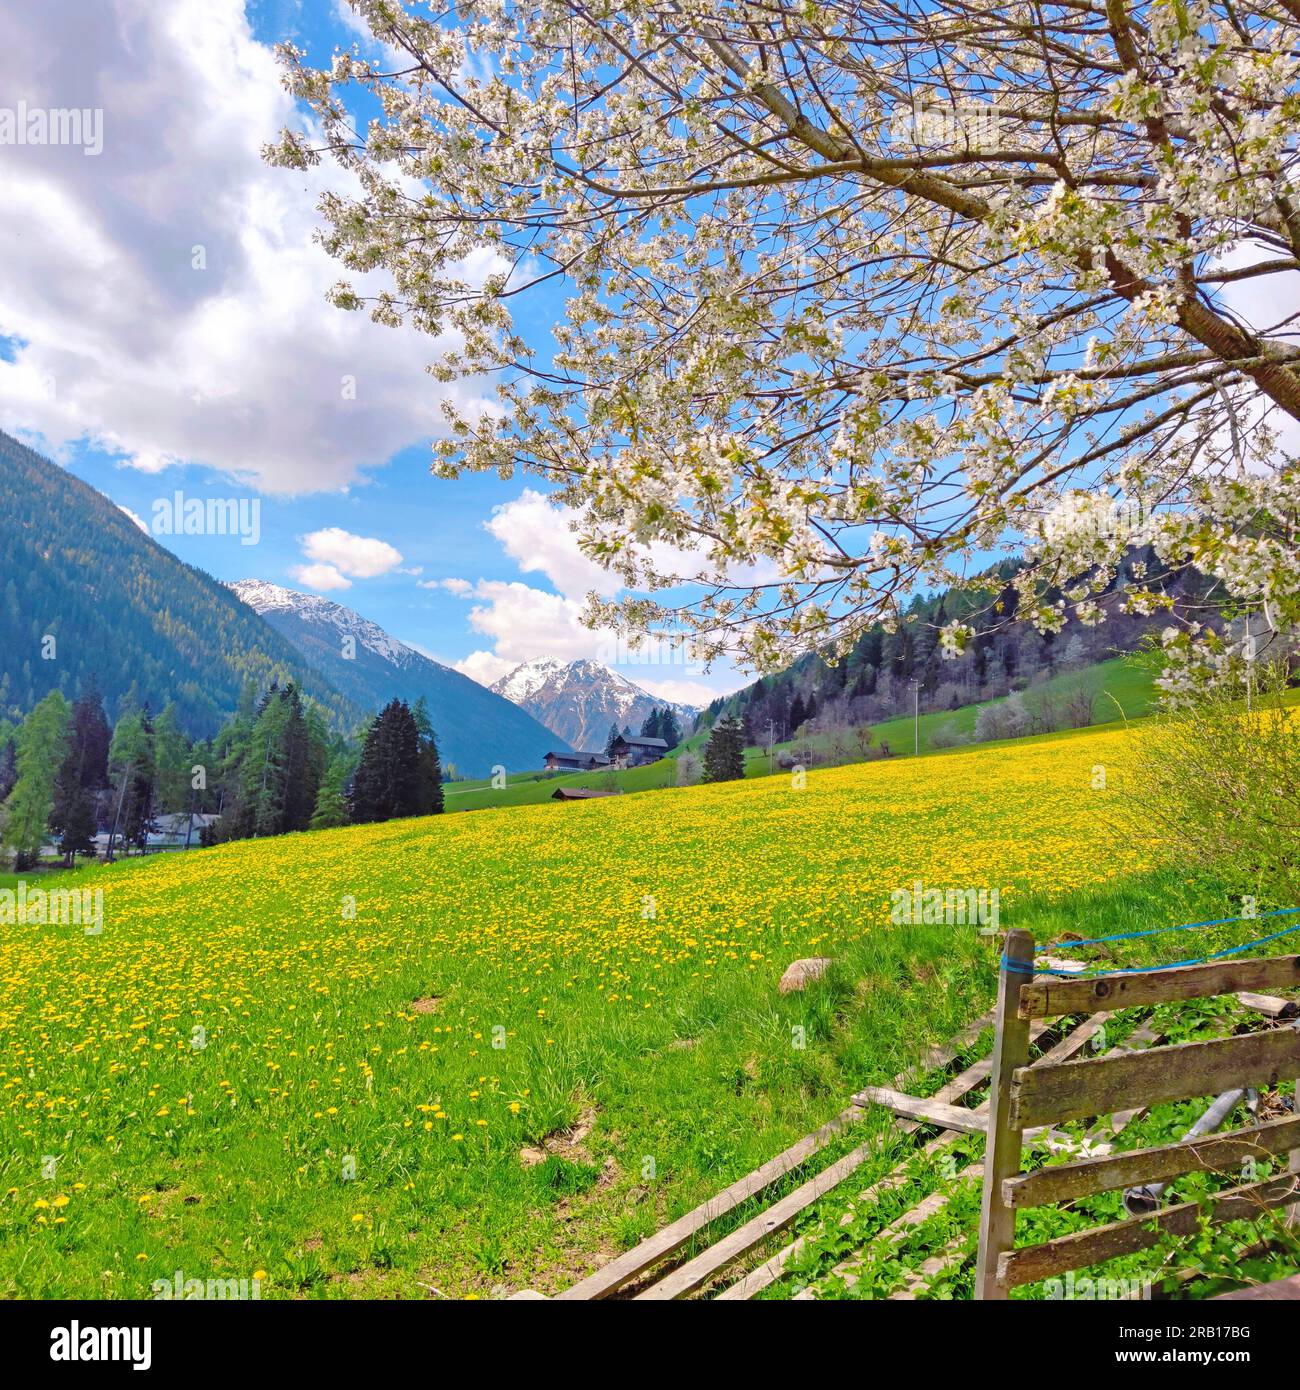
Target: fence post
{"type": "Point", "coordinates": [1002, 1150]}
{"type": "Point", "coordinates": [1293, 1212]}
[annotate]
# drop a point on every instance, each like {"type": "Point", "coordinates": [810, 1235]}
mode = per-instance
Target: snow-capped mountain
{"type": "Point", "coordinates": [580, 700]}
{"type": "Point", "coordinates": [476, 728]}
{"type": "Point", "coordinates": [266, 598]}
{"type": "Point", "coordinates": [526, 680]}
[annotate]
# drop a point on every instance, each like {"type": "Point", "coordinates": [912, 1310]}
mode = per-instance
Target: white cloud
{"type": "Point", "coordinates": [322, 578]}
{"type": "Point", "coordinates": [484, 667]}
{"type": "Point", "coordinates": [525, 623]}
{"type": "Point", "coordinates": [361, 557]}
{"type": "Point", "coordinates": [1267, 302]}
{"type": "Point", "coordinates": [535, 533]}
{"type": "Point", "coordinates": [136, 517]}
{"type": "Point", "coordinates": [682, 692]}
{"type": "Point", "coordinates": [538, 536]}
{"type": "Point", "coordinates": [476, 66]}
{"type": "Point", "coordinates": [166, 296]}
{"type": "Point", "coordinates": [369, 45]}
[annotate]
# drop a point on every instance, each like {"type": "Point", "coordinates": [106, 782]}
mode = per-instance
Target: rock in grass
{"type": "Point", "coordinates": [801, 973]}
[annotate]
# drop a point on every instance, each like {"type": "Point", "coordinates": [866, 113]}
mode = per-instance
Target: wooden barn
{"type": "Point", "coordinates": [636, 751]}
{"type": "Point", "coordinates": [578, 761]}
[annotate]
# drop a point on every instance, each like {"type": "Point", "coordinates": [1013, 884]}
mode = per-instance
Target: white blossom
{"type": "Point", "coordinates": [831, 329]}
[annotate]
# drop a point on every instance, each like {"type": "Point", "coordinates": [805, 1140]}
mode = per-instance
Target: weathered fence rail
{"type": "Point", "coordinates": [1026, 1100]}
{"type": "Point", "coordinates": [1025, 1095]}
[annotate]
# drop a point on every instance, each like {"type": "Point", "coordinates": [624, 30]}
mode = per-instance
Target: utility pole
{"type": "Point", "coordinates": [1250, 650]}
{"type": "Point", "coordinates": [189, 824]}
{"type": "Point", "coordinates": [916, 717]}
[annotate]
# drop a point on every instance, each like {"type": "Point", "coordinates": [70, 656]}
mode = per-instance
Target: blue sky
{"type": "Point", "coordinates": [435, 526]}
{"type": "Point", "coordinates": [163, 328]}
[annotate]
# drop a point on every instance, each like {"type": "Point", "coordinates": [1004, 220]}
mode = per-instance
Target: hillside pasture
{"type": "Point", "coordinates": [482, 1052]}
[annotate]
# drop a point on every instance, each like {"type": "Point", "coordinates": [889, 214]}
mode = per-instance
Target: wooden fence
{"type": "Point", "coordinates": [1064, 1018]}
{"type": "Point", "coordinates": [1025, 1096]}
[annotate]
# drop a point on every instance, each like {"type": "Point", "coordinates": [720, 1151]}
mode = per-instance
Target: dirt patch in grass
{"type": "Point", "coordinates": [160, 1200]}
{"type": "Point", "coordinates": [576, 1132]}
{"type": "Point", "coordinates": [564, 1143]}
{"type": "Point", "coordinates": [426, 1005]}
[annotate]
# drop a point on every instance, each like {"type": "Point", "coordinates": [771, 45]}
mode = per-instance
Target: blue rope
{"type": "Point", "coordinates": [1158, 931]}
{"type": "Point", "coordinates": [1028, 968]}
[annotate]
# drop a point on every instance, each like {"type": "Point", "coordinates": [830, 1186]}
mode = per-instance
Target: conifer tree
{"type": "Point", "coordinates": [303, 763]}
{"type": "Point", "coordinates": [229, 750]}
{"type": "Point", "coordinates": [429, 799]}
{"type": "Point", "coordinates": [72, 817]}
{"type": "Point", "coordinates": [8, 765]}
{"type": "Point", "coordinates": [130, 765]}
{"type": "Point", "coordinates": [90, 729]}
{"type": "Point", "coordinates": [387, 781]}
{"type": "Point", "coordinates": [41, 745]}
{"type": "Point", "coordinates": [137, 826]}
{"type": "Point", "coordinates": [724, 753]}
{"type": "Point", "coordinates": [83, 772]}
{"type": "Point", "coordinates": [172, 761]}
{"type": "Point", "coordinates": [331, 807]}
{"type": "Point", "coordinates": [265, 770]}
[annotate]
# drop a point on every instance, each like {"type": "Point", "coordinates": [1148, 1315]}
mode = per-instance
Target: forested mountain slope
{"type": "Point", "coordinates": [122, 609]}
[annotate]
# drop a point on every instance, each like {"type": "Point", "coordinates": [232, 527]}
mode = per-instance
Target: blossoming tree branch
{"type": "Point", "coordinates": [859, 294]}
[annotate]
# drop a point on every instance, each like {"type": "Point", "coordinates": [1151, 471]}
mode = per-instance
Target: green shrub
{"type": "Point", "coordinates": [1221, 786]}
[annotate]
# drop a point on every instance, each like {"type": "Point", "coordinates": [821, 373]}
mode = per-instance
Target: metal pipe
{"type": "Point", "coordinates": [1142, 1201]}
